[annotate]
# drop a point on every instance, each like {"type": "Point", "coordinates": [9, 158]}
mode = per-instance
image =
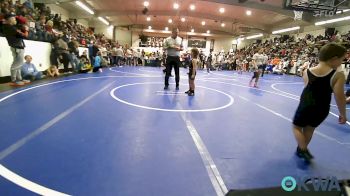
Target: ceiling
{"type": "Point", "coordinates": [266, 15]}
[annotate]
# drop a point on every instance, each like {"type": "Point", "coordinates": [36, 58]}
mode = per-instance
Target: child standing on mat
{"type": "Point", "coordinates": [192, 71]}
{"type": "Point", "coordinates": [320, 82]}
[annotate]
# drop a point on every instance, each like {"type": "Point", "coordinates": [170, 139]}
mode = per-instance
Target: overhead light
{"type": "Point", "coordinates": [176, 6]}
{"type": "Point", "coordinates": [183, 19]}
{"type": "Point", "coordinates": [85, 7]}
{"type": "Point", "coordinates": [208, 32]}
{"type": "Point", "coordinates": [192, 7]}
{"type": "Point", "coordinates": [203, 23]}
{"type": "Point", "coordinates": [255, 36]}
{"type": "Point", "coordinates": [148, 18]}
{"type": "Point", "coordinates": [223, 24]}
{"type": "Point", "coordinates": [248, 12]}
{"type": "Point", "coordinates": [166, 29]}
{"type": "Point", "coordinates": [222, 10]}
{"type": "Point", "coordinates": [342, 11]}
{"type": "Point", "coordinates": [332, 20]}
{"type": "Point", "coordinates": [170, 21]}
{"type": "Point", "coordinates": [286, 30]}
{"type": "Point", "coordinates": [192, 30]}
{"type": "Point", "coordinates": [149, 27]}
{"type": "Point", "coordinates": [146, 3]}
{"type": "Point", "coordinates": [240, 39]}
{"type": "Point", "coordinates": [103, 20]}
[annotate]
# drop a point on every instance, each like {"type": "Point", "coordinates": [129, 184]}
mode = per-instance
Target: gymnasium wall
{"type": "Point", "coordinates": [123, 36]}
{"type": "Point", "coordinates": [104, 29]}
{"type": "Point", "coordinates": [312, 30]}
{"type": "Point", "coordinates": [343, 29]}
{"type": "Point", "coordinates": [83, 22]}
{"type": "Point", "coordinates": [58, 10]}
{"type": "Point", "coordinates": [136, 41]}
{"type": "Point", "coordinates": [226, 43]}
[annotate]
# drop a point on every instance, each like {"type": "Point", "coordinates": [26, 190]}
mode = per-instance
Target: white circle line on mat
{"type": "Point", "coordinates": [112, 93]}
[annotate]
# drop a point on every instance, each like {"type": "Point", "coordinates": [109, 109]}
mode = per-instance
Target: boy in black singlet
{"type": "Point", "coordinates": [320, 82]}
{"type": "Point", "coordinates": [192, 71]}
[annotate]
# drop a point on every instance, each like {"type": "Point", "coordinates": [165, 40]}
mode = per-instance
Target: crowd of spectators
{"type": "Point", "coordinates": [40, 24]}
{"type": "Point", "coordinates": [287, 52]}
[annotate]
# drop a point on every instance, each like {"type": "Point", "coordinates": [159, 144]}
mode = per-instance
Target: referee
{"type": "Point", "coordinates": [172, 45]}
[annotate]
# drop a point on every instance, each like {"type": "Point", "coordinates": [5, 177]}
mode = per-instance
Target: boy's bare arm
{"type": "Point", "coordinates": [305, 77]}
{"type": "Point", "coordinates": [194, 68]}
{"type": "Point", "coordinates": [339, 96]}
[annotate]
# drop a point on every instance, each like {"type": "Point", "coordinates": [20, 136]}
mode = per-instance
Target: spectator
{"type": "Point", "coordinates": [74, 53]}
{"type": "Point", "coordinates": [52, 71]}
{"type": "Point", "coordinates": [49, 27]}
{"type": "Point", "coordinates": [61, 47]}
{"type": "Point", "coordinates": [29, 4]}
{"type": "Point", "coordinates": [93, 49]}
{"type": "Point", "coordinates": [84, 65]}
{"type": "Point", "coordinates": [40, 29]}
{"type": "Point", "coordinates": [15, 38]}
{"type": "Point", "coordinates": [128, 54]}
{"type": "Point", "coordinates": [97, 62]}
{"type": "Point", "coordinates": [29, 71]}
{"type": "Point", "coordinates": [119, 55]}
{"type": "Point", "coordinates": [84, 55]}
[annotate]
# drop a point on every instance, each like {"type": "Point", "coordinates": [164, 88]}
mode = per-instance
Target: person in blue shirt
{"type": "Point", "coordinates": [97, 62]}
{"type": "Point", "coordinates": [29, 71]}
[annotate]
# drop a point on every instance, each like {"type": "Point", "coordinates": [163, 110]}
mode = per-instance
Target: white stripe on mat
{"type": "Point", "coordinates": [213, 172]}
{"type": "Point", "coordinates": [47, 125]}
{"type": "Point", "coordinates": [20, 181]}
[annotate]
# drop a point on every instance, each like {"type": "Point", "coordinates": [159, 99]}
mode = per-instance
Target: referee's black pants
{"type": "Point", "coordinates": [172, 61]}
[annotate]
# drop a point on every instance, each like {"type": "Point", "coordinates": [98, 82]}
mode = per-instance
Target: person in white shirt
{"type": "Point", "coordinates": [113, 55]}
{"type": "Point", "coordinates": [172, 45]}
{"type": "Point", "coordinates": [119, 54]}
{"type": "Point", "coordinates": [263, 67]}
{"type": "Point", "coordinates": [128, 55]}
{"type": "Point", "coordinates": [103, 50]}
{"type": "Point", "coordinates": [258, 61]}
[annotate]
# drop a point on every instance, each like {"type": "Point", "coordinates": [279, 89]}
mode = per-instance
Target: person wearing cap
{"type": "Point", "coordinates": [15, 38]}
{"type": "Point", "coordinates": [173, 45]}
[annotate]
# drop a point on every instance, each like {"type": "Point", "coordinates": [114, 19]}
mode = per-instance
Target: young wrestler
{"type": "Point", "coordinates": [192, 71]}
{"type": "Point", "coordinates": [320, 82]}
